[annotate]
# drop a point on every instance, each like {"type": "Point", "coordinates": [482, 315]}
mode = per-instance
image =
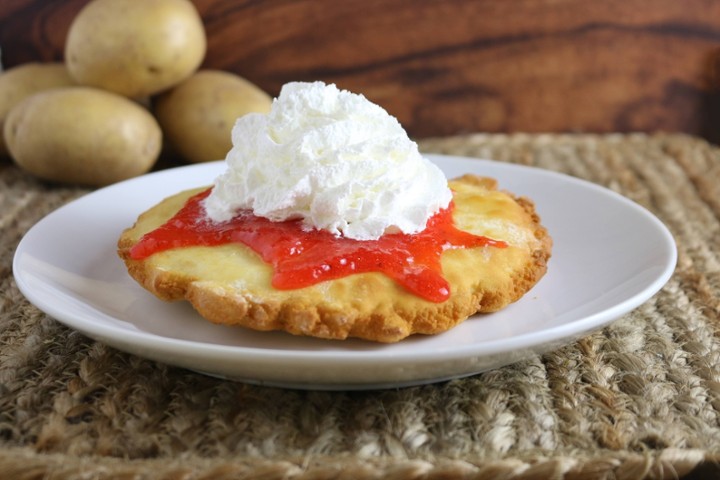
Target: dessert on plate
{"type": "Point", "coordinates": [328, 222]}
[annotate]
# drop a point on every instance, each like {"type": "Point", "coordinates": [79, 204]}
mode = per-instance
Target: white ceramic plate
{"type": "Point", "coordinates": [610, 255]}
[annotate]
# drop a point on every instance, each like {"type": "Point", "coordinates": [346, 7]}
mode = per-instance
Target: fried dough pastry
{"type": "Point", "coordinates": [230, 284]}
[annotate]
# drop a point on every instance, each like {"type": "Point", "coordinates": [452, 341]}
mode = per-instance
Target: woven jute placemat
{"type": "Point", "coordinates": [638, 399]}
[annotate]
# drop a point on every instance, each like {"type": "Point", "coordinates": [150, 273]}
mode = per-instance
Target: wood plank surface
{"type": "Point", "coordinates": [454, 66]}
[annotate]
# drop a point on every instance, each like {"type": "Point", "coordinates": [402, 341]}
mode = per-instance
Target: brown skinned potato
{"type": "Point", "coordinates": [135, 48]}
{"type": "Point", "coordinates": [82, 135]}
{"type": "Point", "coordinates": [197, 115]}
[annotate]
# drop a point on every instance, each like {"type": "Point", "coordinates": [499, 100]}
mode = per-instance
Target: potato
{"type": "Point", "coordinates": [197, 116]}
{"type": "Point", "coordinates": [135, 47]}
{"type": "Point", "coordinates": [19, 82]}
{"type": "Point", "coordinates": [82, 135]}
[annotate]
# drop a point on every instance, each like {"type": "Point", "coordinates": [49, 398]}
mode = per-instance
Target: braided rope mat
{"type": "Point", "coordinates": [639, 399]}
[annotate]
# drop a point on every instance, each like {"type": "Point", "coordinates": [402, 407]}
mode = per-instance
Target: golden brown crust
{"type": "Point", "coordinates": [230, 284]}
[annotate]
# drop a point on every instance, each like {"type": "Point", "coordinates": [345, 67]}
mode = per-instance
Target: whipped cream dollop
{"type": "Point", "coordinates": [332, 158]}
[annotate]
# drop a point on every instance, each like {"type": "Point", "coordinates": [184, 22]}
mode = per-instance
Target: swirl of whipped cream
{"type": "Point", "coordinates": [332, 158]}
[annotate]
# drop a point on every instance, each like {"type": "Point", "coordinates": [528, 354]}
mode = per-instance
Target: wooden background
{"type": "Point", "coordinates": [454, 66]}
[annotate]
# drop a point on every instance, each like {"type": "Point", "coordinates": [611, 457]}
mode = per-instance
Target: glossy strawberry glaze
{"type": "Point", "coordinates": [301, 258]}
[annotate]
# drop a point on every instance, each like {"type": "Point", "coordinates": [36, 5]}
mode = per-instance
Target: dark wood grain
{"type": "Point", "coordinates": [453, 66]}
